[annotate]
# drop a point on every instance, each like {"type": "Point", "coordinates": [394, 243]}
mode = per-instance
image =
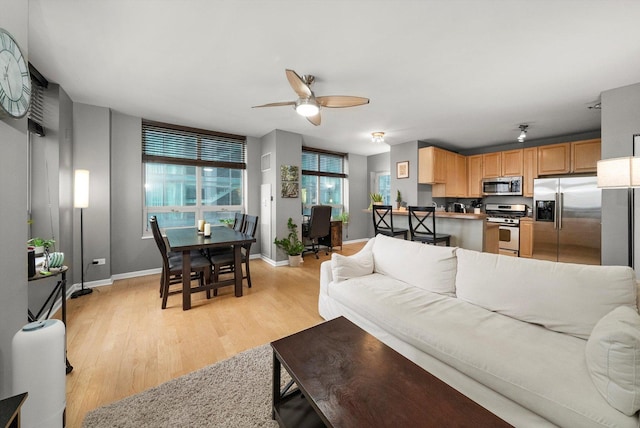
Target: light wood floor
{"type": "Point", "coordinates": [121, 342]}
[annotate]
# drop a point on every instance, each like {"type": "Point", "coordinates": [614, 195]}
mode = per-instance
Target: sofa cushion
{"type": "Point", "coordinates": [613, 359]}
{"type": "Point", "coordinates": [429, 267]}
{"type": "Point", "coordinates": [359, 264]}
{"type": "Point", "coordinates": [564, 297]}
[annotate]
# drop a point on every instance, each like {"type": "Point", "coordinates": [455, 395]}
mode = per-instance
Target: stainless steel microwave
{"type": "Point", "coordinates": [502, 186]}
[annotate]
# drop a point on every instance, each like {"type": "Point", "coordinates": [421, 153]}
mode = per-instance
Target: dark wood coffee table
{"type": "Point", "coordinates": [347, 378]}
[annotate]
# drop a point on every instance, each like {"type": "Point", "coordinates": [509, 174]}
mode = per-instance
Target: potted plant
{"type": "Point", "coordinates": [376, 198]}
{"type": "Point", "coordinates": [291, 245]}
{"type": "Point", "coordinates": [41, 245]}
{"type": "Point", "coordinates": [228, 221]}
{"type": "Point", "coordinates": [344, 218]}
{"type": "Point", "coordinates": [398, 200]}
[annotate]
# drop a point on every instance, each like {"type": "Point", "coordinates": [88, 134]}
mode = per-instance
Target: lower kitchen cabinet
{"type": "Point", "coordinates": [526, 238]}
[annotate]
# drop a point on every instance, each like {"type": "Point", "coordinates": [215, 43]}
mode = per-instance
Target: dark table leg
{"type": "Point", "coordinates": [64, 319]}
{"type": "Point", "coordinates": [186, 280]}
{"type": "Point", "coordinates": [237, 268]}
{"type": "Point", "coordinates": [276, 385]}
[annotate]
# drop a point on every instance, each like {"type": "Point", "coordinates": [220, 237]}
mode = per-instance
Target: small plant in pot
{"type": "Point", "coordinates": [228, 221]}
{"type": "Point", "coordinates": [291, 245]}
{"type": "Point", "coordinates": [41, 245]}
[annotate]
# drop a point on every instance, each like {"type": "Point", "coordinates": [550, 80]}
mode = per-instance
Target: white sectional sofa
{"type": "Point", "coordinates": [538, 343]}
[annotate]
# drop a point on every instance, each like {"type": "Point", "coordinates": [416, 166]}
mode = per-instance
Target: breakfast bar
{"type": "Point", "coordinates": [468, 230]}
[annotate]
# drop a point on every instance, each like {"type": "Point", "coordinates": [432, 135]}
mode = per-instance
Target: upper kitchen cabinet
{"type": "Point", "coordinates": [554, 159]}
{"type": "Point", "coordinates": [456, 174]}
{"type": "Point", "coordinates": [432, 165]}
{"type": "Point", "coordinates": [585, 155]}
{"type": "Point", "coordinates": [491, 165]}
{"type": "Point", "coordinates": [575, 157]}
{"type": "Point", "coordinates": [474, 176]}
{"type": "Point", "coordinates": [529, 170]}
{"type": "Point", "coordinates": [511, 163]}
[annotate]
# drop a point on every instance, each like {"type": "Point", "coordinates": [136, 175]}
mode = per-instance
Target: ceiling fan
{"type": "Point", "coordinates": [307, 104]}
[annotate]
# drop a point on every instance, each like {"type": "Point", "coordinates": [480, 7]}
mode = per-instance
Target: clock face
{"type": "Point", "coordinates": [15, 83]}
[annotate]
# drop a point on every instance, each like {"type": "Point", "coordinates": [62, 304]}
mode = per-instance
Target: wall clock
{"type": "Point", "coordinates": [15, 83]}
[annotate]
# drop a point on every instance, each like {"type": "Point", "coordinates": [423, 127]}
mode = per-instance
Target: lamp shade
{"type": "Point", "coordinates": [619, 173]}
{"type": "Point", "coordinates": [81, 189]}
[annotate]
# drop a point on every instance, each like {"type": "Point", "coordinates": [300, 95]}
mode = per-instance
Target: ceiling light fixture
{"type": "Point", "coordinates": [377, 137]}
{"type": "Point", "coordinates": [523, 133]}
{"type": "Point", "coordinates": [307, 107]}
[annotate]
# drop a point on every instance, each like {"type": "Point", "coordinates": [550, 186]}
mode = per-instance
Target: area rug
{"type": "Point", "coordinates": [231, 393]}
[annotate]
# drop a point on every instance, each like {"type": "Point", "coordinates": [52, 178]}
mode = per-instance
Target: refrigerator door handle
{"type": "Point", "coordinates": [555, 213]}
{"type": "Point", "coordinates": [560, 210]}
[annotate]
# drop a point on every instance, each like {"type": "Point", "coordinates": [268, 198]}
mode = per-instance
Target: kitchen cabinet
{"type": "Point", "coordinates": [432, 167]}
{"type": "Point", "coordinates": [474, 176]}
{"type": "Point", "coordinates": [585, 155]}
{"type": "Point", "coordinates": [511, 163]}
{"type": "Point", "coordinates": [456, 177]}
{"type": "Point", "coordinates": [526, 238]}
{"type": "Point", "coordinates": [491, 165]}
{"type": "Point", "coordinates": [575, 157]}
{"type": "Point", "coordinates": [529, 170]}
{"type": "Point", "coordinates": [554, 159]}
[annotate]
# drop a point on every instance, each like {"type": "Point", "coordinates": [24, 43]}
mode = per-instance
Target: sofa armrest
{"type": "Point", "coordinates": [326, 276]}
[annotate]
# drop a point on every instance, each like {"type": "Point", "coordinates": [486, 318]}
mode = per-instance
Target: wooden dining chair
{"type": "Point", "coordinates": [238, 223]}
{"type": "Point", "coordinates": [224, 262]}
{"type": "Point", "coordinates": [172, 266]}
{"type": "Point", "coordinates": [383, 222]}
{"type": "Point", "coordinates": [421, 230]}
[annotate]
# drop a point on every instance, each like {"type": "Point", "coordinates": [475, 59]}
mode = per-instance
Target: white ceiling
{"type": "Point", "coordinates": [460, 73]}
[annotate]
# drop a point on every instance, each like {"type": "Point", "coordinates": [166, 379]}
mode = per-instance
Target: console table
{"type": "Point", "coordinates": [59, 290]}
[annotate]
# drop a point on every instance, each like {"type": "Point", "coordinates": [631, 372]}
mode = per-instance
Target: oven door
{"type": "Point", "coordinates": [509, 240]}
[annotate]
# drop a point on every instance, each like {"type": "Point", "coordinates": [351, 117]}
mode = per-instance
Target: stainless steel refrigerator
{"type": "Point", "coordinates": [567, 220]}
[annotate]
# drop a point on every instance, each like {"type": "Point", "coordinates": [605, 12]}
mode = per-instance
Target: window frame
{"type": "Point", "coordinates": [199, 210]}
{"type": "Point", "coordinates": [318, 174]}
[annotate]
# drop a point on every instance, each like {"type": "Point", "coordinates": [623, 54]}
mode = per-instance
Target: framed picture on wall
{"type": "Point", "coordinates": [402, 169]}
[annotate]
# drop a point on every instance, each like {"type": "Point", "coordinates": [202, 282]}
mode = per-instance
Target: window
{"type": "Point", "coordinates": [382, 185]}
{"type": "Point", "coordinates": [191, 174]}
{"type": "Point", "coordinates": [323, 180]}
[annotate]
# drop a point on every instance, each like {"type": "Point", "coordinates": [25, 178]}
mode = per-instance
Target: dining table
{"type": "Point", "coordinates": [185, 240]}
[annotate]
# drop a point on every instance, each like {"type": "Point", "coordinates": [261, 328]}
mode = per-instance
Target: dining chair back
{"type": "Point", "coordinates": [238, 223]}
{"type": "Point", "coordinates": [319, 227]}
{"type": "Point", "coordinates": [422, 224]}
{"type": "Point", "coordinates": [172, 266]}
{"type": "Point", "coordinates": [223, 262]}
{"type": "Point", "coordinates": [383, 221]}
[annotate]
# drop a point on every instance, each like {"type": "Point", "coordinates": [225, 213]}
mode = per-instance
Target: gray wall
{"type": "Point", "coordinates": [13, 210]}
{"type": "Point", "coordinates": [91, 150]}
{"type": "Point", "coordinates": [358, 198]}
{"type": "Point", "coordinates": [407, 186]}
{"type": "Point", "coordinates": [620, 120]}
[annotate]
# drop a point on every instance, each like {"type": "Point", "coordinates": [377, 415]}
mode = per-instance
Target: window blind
{"type": "Point", "coordinates": [322, 163]}
{"type": "Point", "coordinates": [164, 143]}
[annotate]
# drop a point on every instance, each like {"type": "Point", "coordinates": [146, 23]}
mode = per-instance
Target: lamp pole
{"type": "Point", "coordinates": [81, 200]}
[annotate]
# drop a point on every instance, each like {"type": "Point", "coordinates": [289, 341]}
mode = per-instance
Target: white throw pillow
{"type": "Point", "coordinates": [613, 359]}
{"type": "Point", "coordinates": [430, 267]}
{"type": "Point", "coordinates": [359, 264]}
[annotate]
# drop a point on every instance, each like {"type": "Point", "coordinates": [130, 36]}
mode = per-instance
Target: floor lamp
{"type": "Point", "coordinates": [81, 200]}
{"type": "Point", "coordinates": [622, 173]}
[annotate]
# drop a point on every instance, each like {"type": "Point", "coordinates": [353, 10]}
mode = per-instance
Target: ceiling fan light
{"type": "Point", "coordinates": [377, 137]}
{"type": "Point", "coordinates": [307, 107]}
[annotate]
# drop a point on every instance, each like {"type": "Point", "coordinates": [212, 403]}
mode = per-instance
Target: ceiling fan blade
{"type": "Point", "coordinates": [283, 103]}
{"type": "Point", "coordinates": [298, 84]}
{"type": "Point", "coordinates": [314, 119]}
{"type": "Point", "coordinates": [339, 101]}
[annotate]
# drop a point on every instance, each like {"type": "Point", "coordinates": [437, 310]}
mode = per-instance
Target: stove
{"type": "Point", "coordinates": [508, 217]}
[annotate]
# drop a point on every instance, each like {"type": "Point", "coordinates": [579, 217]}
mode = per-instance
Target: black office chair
{"type": "Point", "coordinates": [319, 227]}
{"type": "Point", "coordinates": [224, 262]}
{"type": "Point", "coordinates": [422, 232]}
{"type": "Point", "coordinates": [383, 222]}
{"type": "Point", "coordinates": [172, 266]}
